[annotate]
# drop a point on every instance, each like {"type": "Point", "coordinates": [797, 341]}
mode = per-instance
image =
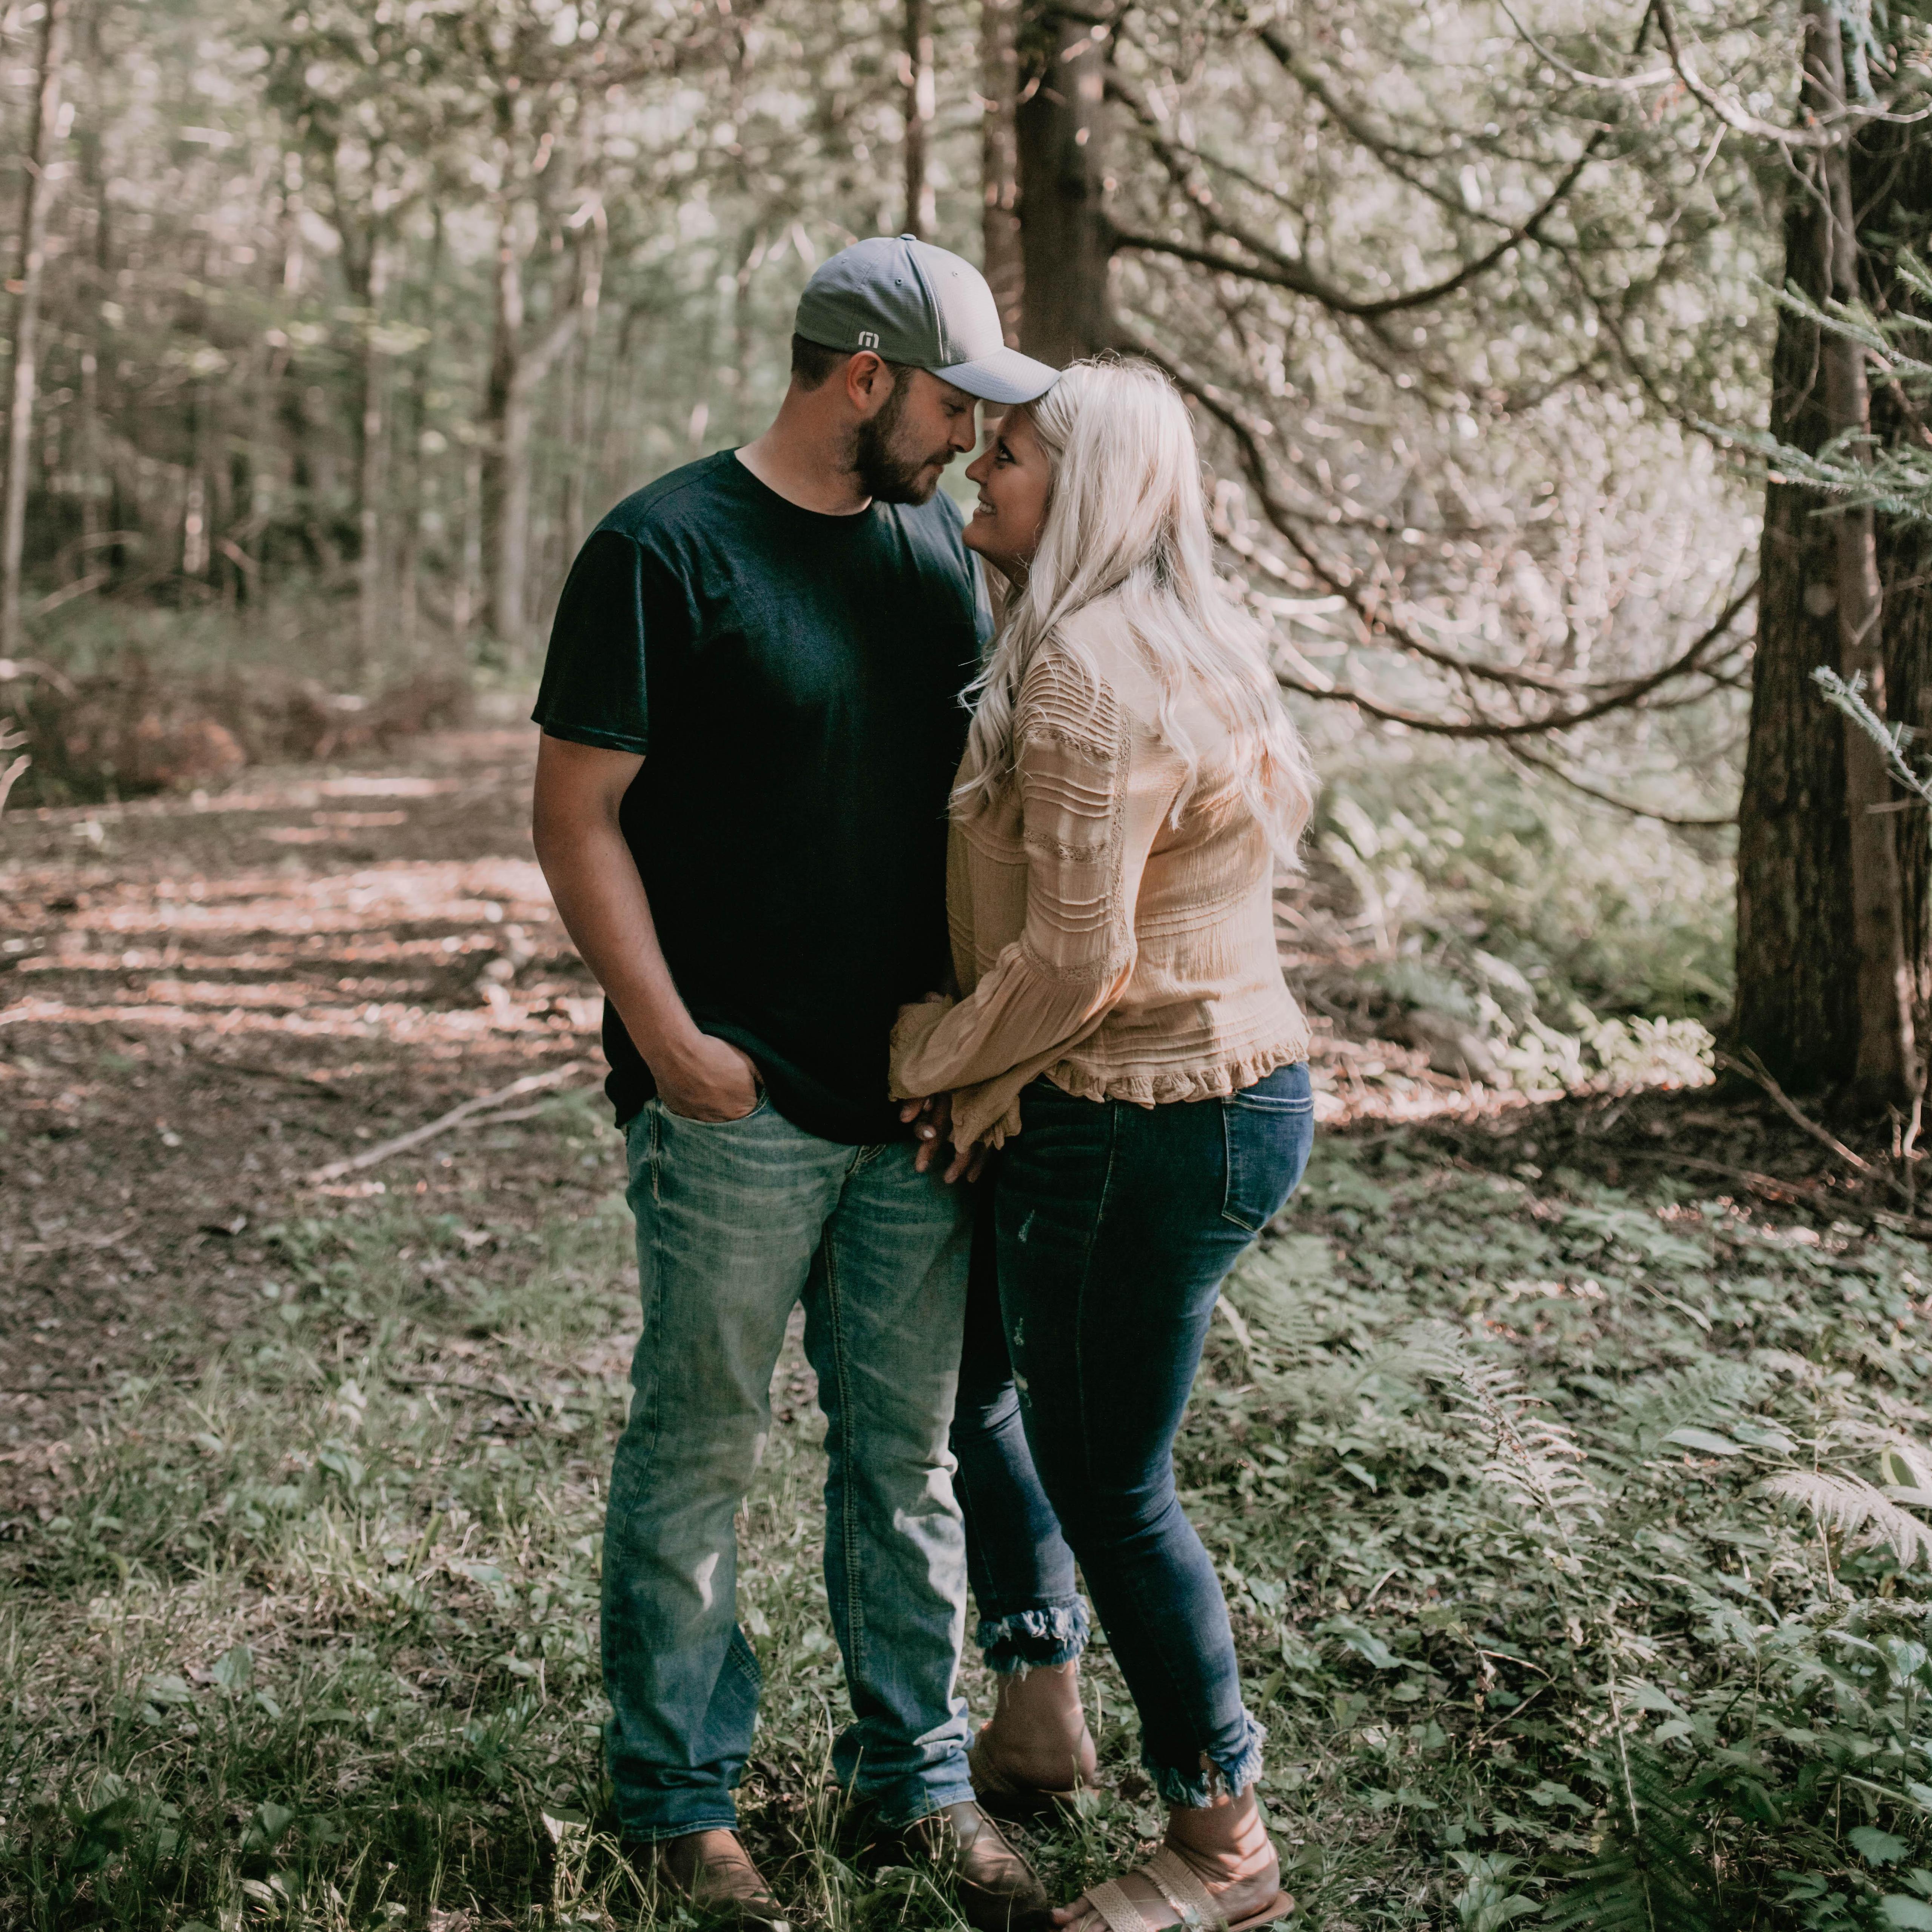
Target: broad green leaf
{"type": "Point", "coordinates": [1880, 1847]}
{"type": "Point", "coordinates": [1909, 1915]}
{"type": "Point", "coordinates": [1704, 1441]}
{"type": "Point", "coordinates": [234, 1670]}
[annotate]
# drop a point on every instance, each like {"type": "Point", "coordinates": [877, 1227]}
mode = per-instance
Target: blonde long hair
{"type": "Point", "coordinates": [1126, 518]}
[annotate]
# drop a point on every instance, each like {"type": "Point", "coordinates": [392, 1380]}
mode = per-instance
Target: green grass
{"type": "Point", "coordinates": [1483, 1456]}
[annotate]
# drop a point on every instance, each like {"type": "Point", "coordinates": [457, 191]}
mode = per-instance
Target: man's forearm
{"type": "Point", "coordinates": [608, 914]}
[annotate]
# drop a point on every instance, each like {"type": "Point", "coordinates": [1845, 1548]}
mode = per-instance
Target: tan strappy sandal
{"type": "Point", "coordinates": [1197, 1908]}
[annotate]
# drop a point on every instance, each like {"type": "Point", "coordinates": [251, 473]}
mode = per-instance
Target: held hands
{"type": "Point", "coordinates": [934, 1132]}
{"type": "Point", "coordinates": [712, 1082]}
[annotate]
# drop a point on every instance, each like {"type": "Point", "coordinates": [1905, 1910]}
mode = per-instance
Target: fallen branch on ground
{"type": "Point", "coordinates": [1754, 1070]}
{"type": "Point", "coordinates": [1784, 1192]}
{"type": "Point", "coordinates": [530, 1083]}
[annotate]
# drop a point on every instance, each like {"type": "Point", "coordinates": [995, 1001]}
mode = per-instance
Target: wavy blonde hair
{"type": "Point", "coordinates": [1126, 518]}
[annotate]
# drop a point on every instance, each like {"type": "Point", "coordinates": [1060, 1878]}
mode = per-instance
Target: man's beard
{"type": "Point", "coordinates": [885, 473]}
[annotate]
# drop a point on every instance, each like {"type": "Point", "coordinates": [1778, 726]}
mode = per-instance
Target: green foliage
{"type": "Point", "coordinates": [1524, 911]}
{"type": "Point", "coordinates": [1854, 470]}
{"type": "Point", "coordinates": [1610, 1489]}
{"type": "Point", "coordinates": [1564, 1528]}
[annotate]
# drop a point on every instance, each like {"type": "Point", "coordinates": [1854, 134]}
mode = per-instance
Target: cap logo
{"type": "Point", "coordinates": [867, 340]}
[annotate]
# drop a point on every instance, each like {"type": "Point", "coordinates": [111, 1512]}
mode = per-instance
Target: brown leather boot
{"type": "Point", "coordinates": [997, 1890]}
{"type": "Point", "coordinates": [715, 1873]}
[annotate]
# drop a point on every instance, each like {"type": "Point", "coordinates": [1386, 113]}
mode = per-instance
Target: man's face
{"type": "Point", "coordinates": [900, 452]}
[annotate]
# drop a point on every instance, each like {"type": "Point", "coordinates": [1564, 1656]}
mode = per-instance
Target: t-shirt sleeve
{"type": "Point", "coordinates": [594, 690]}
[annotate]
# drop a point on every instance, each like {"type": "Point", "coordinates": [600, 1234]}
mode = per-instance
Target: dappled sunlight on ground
{"type": "Point", "coordinates": [191, 1019]}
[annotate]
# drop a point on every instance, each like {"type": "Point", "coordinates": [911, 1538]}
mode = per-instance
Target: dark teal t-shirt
{"type": "Point", "coordinates": [792, 681]}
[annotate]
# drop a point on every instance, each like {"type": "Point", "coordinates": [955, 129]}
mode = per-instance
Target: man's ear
{"type": "Point", "coordinates": [868, 382]}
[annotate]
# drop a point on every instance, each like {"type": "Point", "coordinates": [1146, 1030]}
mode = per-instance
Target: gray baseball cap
{"type": "Point", "coordinates": [911, 303]}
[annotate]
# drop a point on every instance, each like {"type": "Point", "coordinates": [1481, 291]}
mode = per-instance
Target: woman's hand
{"type": "Point", "coordinates": [931, 1120]}
{"type": "Point", "coordinates": [933, 1132]}
{"type": "Point", "coordinates": [967, 1162]}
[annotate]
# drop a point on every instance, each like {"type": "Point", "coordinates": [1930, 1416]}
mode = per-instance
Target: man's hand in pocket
{"type": "Point", "coordinates": [712, 1082]}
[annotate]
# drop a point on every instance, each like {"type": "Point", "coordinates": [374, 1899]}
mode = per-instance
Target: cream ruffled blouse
{"type": "Point", "coordinates": [1123, 956]}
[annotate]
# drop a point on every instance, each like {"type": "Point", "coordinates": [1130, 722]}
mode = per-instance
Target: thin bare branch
{"type": "Point", "coordinates": [1832, 131]}
{"type": "Point", "coordinates": [1556, 771]}
{"type": "Point", "coordinates": [1346, 582]}
{"type": "Point", "coordinates": [370, 1156]}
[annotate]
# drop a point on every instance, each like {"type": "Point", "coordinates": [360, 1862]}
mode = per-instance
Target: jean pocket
{"type": "Point", "coordinates": [762, 1105]}
{"type": "Point", "coordinates": [1269, 1129]}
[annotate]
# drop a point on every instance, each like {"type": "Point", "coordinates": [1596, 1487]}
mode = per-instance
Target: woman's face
{"type": "Point", "coordinates": [1014, 481]}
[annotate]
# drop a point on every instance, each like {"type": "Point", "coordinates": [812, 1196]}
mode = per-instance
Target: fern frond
{"type": "Point", "coordinates": [1652, 1875]}
{"type": "Point", "coordinates": [1848, 1504]}
{"type": "Point", "coordinates": [1703, 1394]}
{"type": "Point", "coordinates": [1278, 1315]}
{"type": "Point", "coordinates": [1533, 1457]}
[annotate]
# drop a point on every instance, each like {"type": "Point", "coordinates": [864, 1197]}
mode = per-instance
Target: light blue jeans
{"type": "Point", "coordinates": [736, 1221]}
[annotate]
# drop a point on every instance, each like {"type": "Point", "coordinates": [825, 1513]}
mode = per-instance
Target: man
{"type": "Point", "coordinates": [751, 716]}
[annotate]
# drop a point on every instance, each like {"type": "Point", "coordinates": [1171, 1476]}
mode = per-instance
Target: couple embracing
{"type": "Point", "coordinates": [884, 890]}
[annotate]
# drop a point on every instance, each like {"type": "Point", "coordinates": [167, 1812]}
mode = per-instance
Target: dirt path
{"type": "Point", "coordinates": [202, 1000]}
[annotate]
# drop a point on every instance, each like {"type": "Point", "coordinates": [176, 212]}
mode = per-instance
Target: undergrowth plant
{"type": "Point", "coordinates": [1575, 1536]}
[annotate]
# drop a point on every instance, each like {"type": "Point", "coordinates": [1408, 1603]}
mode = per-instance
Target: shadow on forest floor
{"type": "Point", "coordinates": [1502, 1446]}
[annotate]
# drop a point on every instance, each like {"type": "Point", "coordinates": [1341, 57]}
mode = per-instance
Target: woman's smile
{"type": "Point", "coordinates": [1015, 479]}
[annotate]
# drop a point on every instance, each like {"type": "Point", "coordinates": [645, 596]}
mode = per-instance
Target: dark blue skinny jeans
{"type": "Point", "coordinates": [1104, 1237]}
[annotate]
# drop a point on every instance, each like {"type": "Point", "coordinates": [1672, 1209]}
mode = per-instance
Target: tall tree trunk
{"type": "Point", "coordinates": [467, 594]}
{"type": "Point", "coordinates": [1065, 239]}
{"type": "Point", "coordinates": [999, 159]}
{"type": "Point", "coordinates": [36, 196]}
{"type": "Point", "coordinates": [415, 483]}
{"type": "Point", "coordinates": [916, 76]}
{"type": "Point", "coordinates": [577, 418]}
{"type": "Point", "coordinates": [506, 448]}
{"type": "Point", "coordinates": [95, 486]}
{"type": "Point", "coordinates": [1893, 179]}
{"type": "Point", "coordinates": [736, 374]}
{"type": "Point", "coordinates": [1886, 1069]}
{"type": "Point", "coordinates": [517, 367]}
{"type": "Point", "coordinates": [1824, 982]}
{"type": "Point", "coordinates": [372, 437]}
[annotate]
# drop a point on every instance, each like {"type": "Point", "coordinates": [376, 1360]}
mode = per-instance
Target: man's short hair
{"type": "Point", "coordinates": [812, 363]}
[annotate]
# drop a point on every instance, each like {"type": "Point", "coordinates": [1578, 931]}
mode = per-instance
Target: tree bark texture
{"type": "Point", "coordinates": [517, 366]}
{"type": "Point", "coordinates": [1826, 982]}
{"type": "Point", "coordinates": [372, 436]}
{"type": "Point", "coordinates": [1066, 242]}
{"type": "Point", "coordinates": [999, 160]}
{"type": "Point", "coordinates": [916, 76]}
{"type": "Point", "coordinates": [1892, 183]}
{"type": "Point", "coordinates": [36, 196]}
{"type": "Point", "coordinates": [506, 458]}
{"type": "Point", "coordinates": [1886, 1071]}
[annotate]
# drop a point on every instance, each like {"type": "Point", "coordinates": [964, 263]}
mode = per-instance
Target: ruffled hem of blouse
{"type": "Point", "coordinates": [1195, 1083]}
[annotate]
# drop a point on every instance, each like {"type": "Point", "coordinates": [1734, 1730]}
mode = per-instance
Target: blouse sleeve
{"type": "Point", "coordinates": [1085, 853]}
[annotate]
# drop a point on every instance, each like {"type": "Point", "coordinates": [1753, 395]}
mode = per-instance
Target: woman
{"type": "Point", "coordinates": [1130, 781]}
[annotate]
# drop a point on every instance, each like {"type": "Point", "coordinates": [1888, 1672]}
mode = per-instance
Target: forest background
{"type": "Point", "coordinates": [1561, 377]}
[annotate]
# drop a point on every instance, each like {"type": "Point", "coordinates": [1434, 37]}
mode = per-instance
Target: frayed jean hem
{"type": "Point", "coordinates": [1196, 1789]}
{"type": "Point", "coordinates": [1032, 1640]}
